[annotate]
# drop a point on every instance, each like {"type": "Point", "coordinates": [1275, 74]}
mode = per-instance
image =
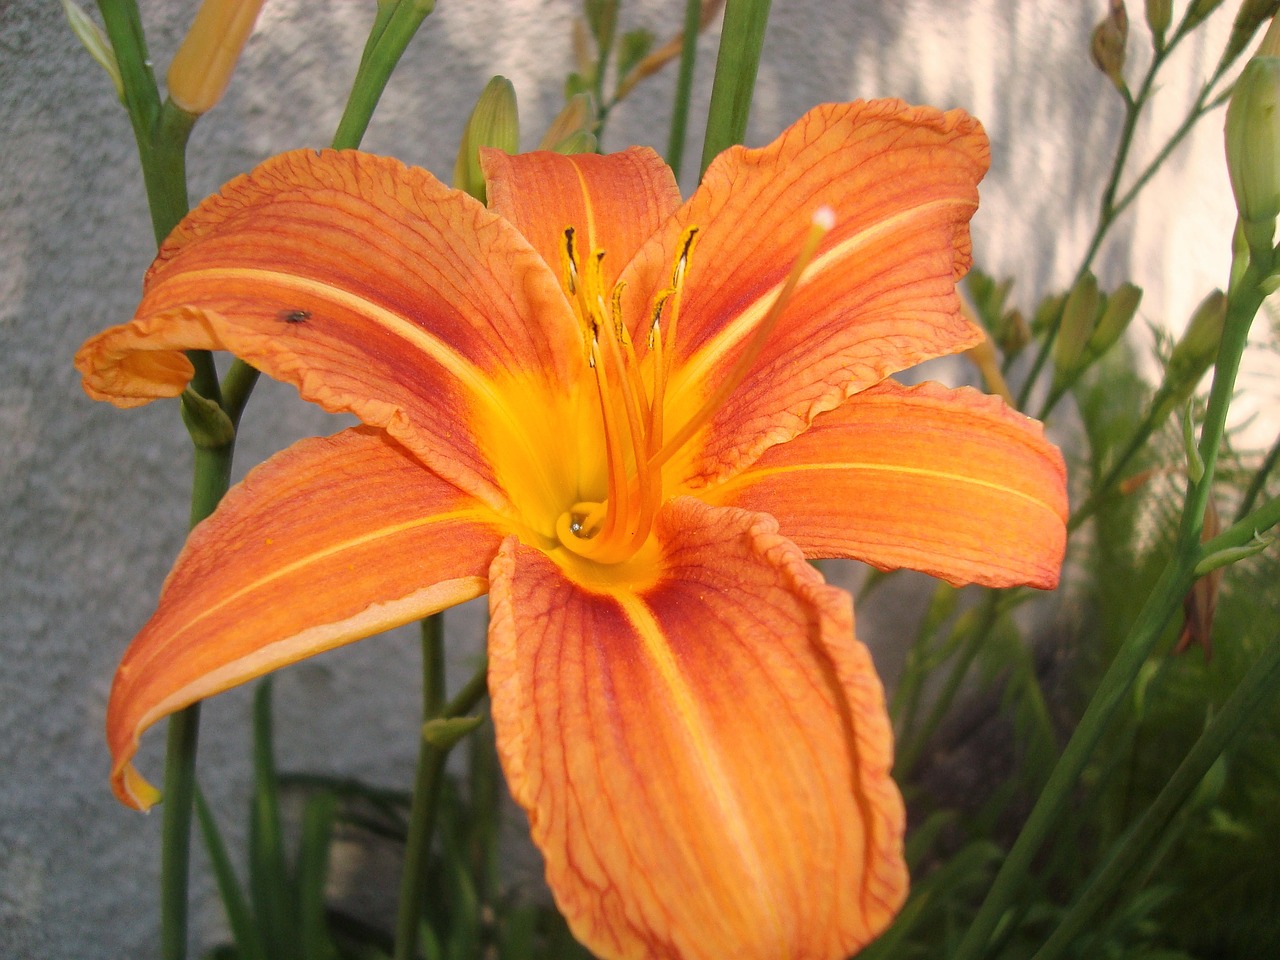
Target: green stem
{"type": "Point", "coordinates": [426, 789]}
{"type": "Point", "coordinates": [1243, 300]}
{"type": "Point", "coordinates": [684, 86]}
{"type": "Point", "coordinates": [1161, 407]}
{"type": "Point", "coordinates": [911, 752]}
{"type": "Point", "coordinates": [1110, 209]}
{"type": "Point", "coordinates": [741, 41]}
{"type": "Point", "coordinates": [1259, 481]}
{"type": "Point", "coordinates": [1239, 709]}
{"type": "Point", "coordinates": [175, 849]}
{"type": "Point", "coordinates": [237, 385]}
{"type": "Point", "coordinates": [390, 36]}
{"type": "Point", "coordinates": [1244, 529]}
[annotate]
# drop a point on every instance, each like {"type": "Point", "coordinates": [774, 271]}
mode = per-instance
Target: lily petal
{"type": "Point", "coordinates": [613, 203]}
{"type": "Point", "coordinates": [878, 297]}
{"type": "Point", "coordinates": [704, 758]}
{"type": "Point", "coordinates": [329, 541]}
{"type": "Point", "coordinates": [950, 482]}
{"type": "Point", "coordinates": [370, 286]}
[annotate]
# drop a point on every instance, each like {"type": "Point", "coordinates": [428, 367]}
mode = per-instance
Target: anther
{"type": "Point", "coordinates": [821, 223]}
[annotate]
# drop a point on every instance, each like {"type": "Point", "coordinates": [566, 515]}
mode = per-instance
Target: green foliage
{"type": "Point", "coordinates": [283, 912]}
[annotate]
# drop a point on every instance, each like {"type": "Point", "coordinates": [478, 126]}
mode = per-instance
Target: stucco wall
{"type": "Point", "coordinates": [93, 501]}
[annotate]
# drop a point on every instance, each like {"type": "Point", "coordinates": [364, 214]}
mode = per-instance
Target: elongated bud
{"type": "Point", "coordinates": [1196, 350]}
{"type": "Point", "coordinates": [206, 421]}
{"type": "Point", "coordinates": [1229, 555]}
{"type": "Point", "coordinates": [1119, 311]}
{"type": "Point", "coordinates": [1159, 16]}
{"type": "Point", "coordinates": [95, 41]}
{"type": "Point", "coordinates": [1199, 10]}
{"type": "Point", "coordinates": [602, 18]}
{"type": "Point", "coordinates": [1251, 15]}
{"type": "Point", "coordinates": [494, 122]}
{"type": "Point", "coordinates": [1107, 45]}
{"type": "Point", "coordinates": [1079, 317]}
{"type": "Point", "coordinates": [1253, 140]}
{"type": "Point", "coordinates": [203, 65]}
{"type": "Point", "coordinates": [579, 142]}
{"type": "Point", "coordinates": [1047, 313]}
{"type": "Point", "coordinates": [576, 117]}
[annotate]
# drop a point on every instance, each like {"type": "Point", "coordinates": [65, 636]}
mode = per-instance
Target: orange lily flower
{"type": "Point", "coordinates": [630, 420]}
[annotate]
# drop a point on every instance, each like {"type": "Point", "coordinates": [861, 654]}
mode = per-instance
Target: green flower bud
{"type": "Point", "coordinates": [494, 122]}
{"type": "Point", "coordinates": [1119, 311]}
{"type": "Point", "coordinates": [1079, 318]}
{"type": "Point", "coordinates": [95, 41]}
{"type": "Point", "coordinates": [1159, 15]}
{"type": "Point", "coordinates": [576, 117]}
{"type": "Point", "coordinates": [1251, 15]}
{"type": "Point", "coordinates": [1107, 46]}
{"type": "Point", "coordinates": [602, 17]}
{"type": "Point", "coordinates": [1199, 10]}
{"type": "Point", "coordinates": [443, 732]}
{"type": "Point", "coordinates": [206, 421]}
{"type": "Point", "coordinates": [1047, 313]}
{"type": "Point", "coordinates": [578, 142]}
{"type": "Point", "coordinates": [1253, 140]}
{"type": "Point", "coordinates": [1195, 352]}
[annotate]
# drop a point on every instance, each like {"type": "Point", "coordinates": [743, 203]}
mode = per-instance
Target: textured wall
{"type": "Point", "coordinates": [93, 501]}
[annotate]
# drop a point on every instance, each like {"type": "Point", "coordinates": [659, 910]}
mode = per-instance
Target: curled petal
{"type": "Point", "coordinates": [704, 756]}
{"type": "Point", "coordinates": [949, 482]}
{"type": "Point", "coordinates": [613, 202]}
{"type": "Point", "coordinates": [370, 286]}
{"type": "Point", "coordinates": [878, 297]}
{"type": "Point", "coordinates": [329, 541]}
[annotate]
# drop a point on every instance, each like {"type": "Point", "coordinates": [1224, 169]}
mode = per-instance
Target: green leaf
{"type": "Point", "coordinates": [741, 40]}
{"type": "Point", "coordinates": [239, 917]}
{"type": "Point", "coordinates": [268, 874]}
{"type": "Point", "coordinates": [313, 873]}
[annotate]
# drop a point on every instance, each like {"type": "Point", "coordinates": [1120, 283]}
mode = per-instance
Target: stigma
{"type": "Point", "coordinates": [631, 392]}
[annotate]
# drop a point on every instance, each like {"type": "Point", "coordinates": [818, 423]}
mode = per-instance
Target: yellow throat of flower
{"type": "Point", "coordinates": [632, 395]}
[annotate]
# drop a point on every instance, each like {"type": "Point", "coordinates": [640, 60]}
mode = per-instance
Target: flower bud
{"type": "Point", "coordinates": [1079, 317]}
{"type": "Point", "coordinates": [1253, 140]}
{"type": "Point", "coordinates": [1199, 10]}
{"type": "Point", "coordinates": [95, 41]}
{"type": "Point", "coordinates": [203, 65]}
{"type": "Point", "coordinates": [1159, 16]}
{"type": "Point", "coordinates": [577, 117]}
{"type": "Point", "coordinates": [580, 141]}
{"type": "Point", "coordinates": [1251, 15]}
{"type": "Point", "coordinates": [1107, 46]}
{"type": "Point", "coordinates": [494, 122]}
{"type": "Point", "coordinates": [1119, 311]}
{"type": "Point", "coordinates": [1195, 352]}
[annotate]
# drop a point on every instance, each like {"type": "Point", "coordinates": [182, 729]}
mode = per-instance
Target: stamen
{"type": "Point", "coordinates": [644, 476]}
{"type": "Point", "coordinates": [824, 219]}
{"type": "Point", "coordinates": [616, 465]}
{"type": "Point", "coordinates": [661, 359]}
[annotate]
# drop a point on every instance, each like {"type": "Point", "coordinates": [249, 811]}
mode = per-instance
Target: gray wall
{"type": "Point", "coordinates": [93, 501]}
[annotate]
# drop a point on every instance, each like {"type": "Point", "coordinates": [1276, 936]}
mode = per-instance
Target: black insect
{"type": "Point", "coordinates": [295, 316]}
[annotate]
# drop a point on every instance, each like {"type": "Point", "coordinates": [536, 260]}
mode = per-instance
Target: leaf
{"type": "Point", "coordinates": [239, 917]}
{"type": "Point", "coordinates": [268, 873]}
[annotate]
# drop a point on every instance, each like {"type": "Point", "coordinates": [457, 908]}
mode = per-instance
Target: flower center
{"type": "Point", "coordinates": [631, 395]}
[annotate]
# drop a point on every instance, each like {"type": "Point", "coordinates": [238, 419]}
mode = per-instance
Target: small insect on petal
{"type": "Point", "coordinates": [294, 316]}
